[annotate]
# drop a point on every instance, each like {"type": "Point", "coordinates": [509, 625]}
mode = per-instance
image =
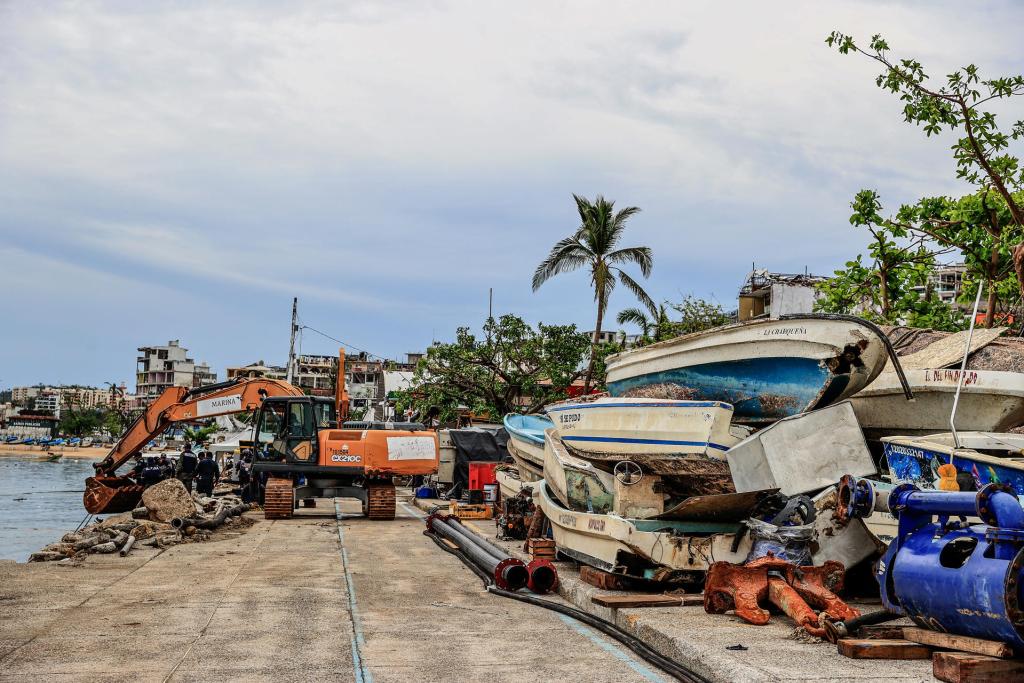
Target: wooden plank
{"type": "Point", "coordinates": [636, 600]}
{"type": "Point", "coordinates": [448, 543]}
{"type": "Point", "coordinates": [963, 667]}
{"type": "Point", "coordinates": [882, 649]}
{"type": "Point", "coordinates": [604, 580]}
{"type": "Point", "coordinates": [693, 600]}
{"type": "Point", "coordinates": [949, 641]}
{"type": "Point", "coordinates": [876, 631]}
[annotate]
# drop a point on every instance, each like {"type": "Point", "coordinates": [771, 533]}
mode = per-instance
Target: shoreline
{"type": "Point", "coordinates": [36, 452]}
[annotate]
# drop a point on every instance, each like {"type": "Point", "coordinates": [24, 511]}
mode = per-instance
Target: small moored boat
{"type": "Point", "coordinates": [766, 369]}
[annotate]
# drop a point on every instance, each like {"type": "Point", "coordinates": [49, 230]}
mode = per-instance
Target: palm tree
{"type": "Point", "coordinates": [650, 326]}
{"type": "Point", "coordinates": [592, 246]}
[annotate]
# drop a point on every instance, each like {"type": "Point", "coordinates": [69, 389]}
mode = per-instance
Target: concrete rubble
{"type": "Point", "coordinates": [170, 515]}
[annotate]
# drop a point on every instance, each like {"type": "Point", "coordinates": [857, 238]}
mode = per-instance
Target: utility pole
{"type": "Point", "coordinates": [291, 343]}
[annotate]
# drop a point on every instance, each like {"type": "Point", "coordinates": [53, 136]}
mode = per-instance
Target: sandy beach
{"type": "Point", "coordinates": [15, 451]}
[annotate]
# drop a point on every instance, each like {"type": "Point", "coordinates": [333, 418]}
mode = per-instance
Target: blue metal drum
{"type": "Point", "coordinates": [953, 577]}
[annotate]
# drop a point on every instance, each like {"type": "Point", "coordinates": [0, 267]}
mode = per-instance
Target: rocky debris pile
{"type": "Point", "coordinates": [170, 515]}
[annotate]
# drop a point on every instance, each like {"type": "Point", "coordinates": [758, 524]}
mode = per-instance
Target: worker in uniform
{"type": "Point", "coordinates": [151, 473]}
{"type": "Point", "coordinates": [166, 470]}
{"type": "Point", "coordinates": [187, 464]}
{"type": "Point", "coordinates": [207, 473]}
{"type": "Point", "coordinates": [245, 478]}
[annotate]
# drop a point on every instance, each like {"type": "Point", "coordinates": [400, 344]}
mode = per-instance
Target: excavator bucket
{"type": "Point", "coordinates": [107, 495]}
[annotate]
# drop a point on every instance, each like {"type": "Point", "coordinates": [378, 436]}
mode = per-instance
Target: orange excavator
{"type": "Point", "coordinates": [297, 443]}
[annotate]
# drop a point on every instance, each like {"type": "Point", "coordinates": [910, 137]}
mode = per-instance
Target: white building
{"type": "Point", "coordinates": [773, 295]}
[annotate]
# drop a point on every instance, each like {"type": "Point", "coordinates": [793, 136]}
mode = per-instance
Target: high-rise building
{"type": "Point", "coordinates": [160, 367]}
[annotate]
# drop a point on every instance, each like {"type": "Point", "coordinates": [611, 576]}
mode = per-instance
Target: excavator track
{"type": "Point", "coordinates": [279, 499]}
{"type": "Point", "coordinates": [380, 500]}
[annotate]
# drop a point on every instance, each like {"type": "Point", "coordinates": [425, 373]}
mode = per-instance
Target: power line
{"type": "Point", "coordinates": [343, 343]}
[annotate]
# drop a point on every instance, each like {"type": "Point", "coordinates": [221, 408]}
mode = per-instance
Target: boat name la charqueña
{"type": "Point", "coordinates": [784, 331]}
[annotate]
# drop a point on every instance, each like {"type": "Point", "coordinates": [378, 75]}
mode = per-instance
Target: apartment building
{"type": "Point", "coordinates": [160, 367]}
{"type": "Point", "coordinates": [368, 380]}
{"type": "Point", "coordinates": [257, 369]}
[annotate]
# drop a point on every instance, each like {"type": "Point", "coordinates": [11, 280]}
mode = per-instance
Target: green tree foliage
{"type": "Point", "coordinates": [958, 105]}
{"type": "Point", "coordinates": [594, 246]}
{"type": "Point", "coordinates": [79, 421]}
{"type": "Point", "coordinates": [697, 315]}
{"type": "Point", "coordinates": [511, 367]}
{"type": "Point", "coordinates": [200, 435]}
{"type": "Point", "coordinates": [884, 290]}
{"type": "Point", "coordinates": [652, 328]}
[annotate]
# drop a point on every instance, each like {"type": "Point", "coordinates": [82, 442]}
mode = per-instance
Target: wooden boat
{"type": "Point", "coordinates": [767, 369]}
{"type": "Point", "coordinates": [990, 401]}
{"type": "Point", "coordinates": [576, 482]}
{"type": "Point", "coordinates": [983, 458]}
{"type": "Point", "coordinates": [509, 482]}
{"type": "Point", "coordinates": [526, 443]}
{"type": "Point", "coordinates": [609, 427]}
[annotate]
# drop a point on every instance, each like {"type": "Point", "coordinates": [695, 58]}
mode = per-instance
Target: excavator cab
{"type": "Point", "coordinates": [287, 428]}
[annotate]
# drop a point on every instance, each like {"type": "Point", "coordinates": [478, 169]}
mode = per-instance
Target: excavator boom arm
{"type": "Point", "coordinates": [179, 404]}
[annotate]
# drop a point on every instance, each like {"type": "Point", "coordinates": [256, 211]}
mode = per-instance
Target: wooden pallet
{"type": "Point", "coordinates": [541, 548]}
{"type": "Point", "coordinates": [467, 511]}
{"type": "Point", "coordinates": [856, 648]}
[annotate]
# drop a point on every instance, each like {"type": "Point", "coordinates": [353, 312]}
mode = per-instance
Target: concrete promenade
{"type": "Point", "coordinates": [325, 596]}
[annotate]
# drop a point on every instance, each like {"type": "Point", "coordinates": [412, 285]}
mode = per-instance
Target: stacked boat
{"type": "Point", "coordinates": [643, 480]}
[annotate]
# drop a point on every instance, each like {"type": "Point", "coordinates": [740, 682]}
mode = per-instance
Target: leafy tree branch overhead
{"type": "Point", "coordinates": [594, 246]}
{"type": "Point", "coordinates": [981, 152]}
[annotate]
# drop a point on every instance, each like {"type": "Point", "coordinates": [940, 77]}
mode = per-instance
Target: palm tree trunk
{"type": "Point", "coordinates": [593, 342]}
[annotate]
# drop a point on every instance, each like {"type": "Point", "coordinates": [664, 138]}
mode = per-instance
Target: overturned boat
{"type": "Point", "coordinates": [982, 458]}
{"type": "Point", "coordinates": [656, 430]}
{"type": "Point", "coordinates": [990, 401]}
{"type": "Point", "coordinates": [766, 369]}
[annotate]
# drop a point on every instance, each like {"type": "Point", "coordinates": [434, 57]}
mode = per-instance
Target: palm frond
{"type": "Point", "coordinates": [638, 291]}
{"type": "Point", "coordinates": [567, 255]}
{"type": "Point", "coordinates": [634, 316]}
{"type": "Point", "coordinates": [618, 223]}
{"type": "Point", "coordinates": [642, 256]}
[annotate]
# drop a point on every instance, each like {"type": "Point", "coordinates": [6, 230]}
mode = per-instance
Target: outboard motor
{"type": "Point", "coordinates": [948, 575]}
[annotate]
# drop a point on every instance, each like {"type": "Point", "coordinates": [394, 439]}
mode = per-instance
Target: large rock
{"type": "Point", "coordinates": [167, 500]}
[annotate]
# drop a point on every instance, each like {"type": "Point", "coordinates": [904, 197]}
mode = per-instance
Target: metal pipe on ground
{"type": "Point", "coordinates": [127, 547]}
{"type": "Point", "coordinates": [508, 572]}
{"type": "Point", "coordinates": [543, 575]}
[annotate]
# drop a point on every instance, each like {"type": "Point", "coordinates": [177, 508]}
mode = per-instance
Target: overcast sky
{"type": "Point", "coordinates": [181, 170]}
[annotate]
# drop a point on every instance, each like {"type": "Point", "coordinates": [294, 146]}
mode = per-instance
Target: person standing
{"type": "Point", "coordinates": [187, 464]}
{"type": "Point", "coordinates": [207, 474]}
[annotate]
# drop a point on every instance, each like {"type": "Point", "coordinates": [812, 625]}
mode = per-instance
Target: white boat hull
{"type": "Point", "coordinates": [528, 459]}
{"type": "Point", "coordinates": [577, 483]}
{"type": "Point", "coordinates": [990, 401]}
{"type": "Point", "coordinates": [644, 426]}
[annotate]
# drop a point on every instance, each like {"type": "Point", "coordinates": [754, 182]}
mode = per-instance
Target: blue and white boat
{"type": "Point", "coordinates": [526, 443]}
{"type": "Point", "coordinates": [766, 369]}
{"type": "Point", "coordinates": [74, 442]}
{"type": "Point", "coordinates": [983, 458]}
{"type": "Point", "coordinates": [660, 435]}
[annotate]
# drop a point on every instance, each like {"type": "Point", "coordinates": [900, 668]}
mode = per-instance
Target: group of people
{"type": "Point", "coordinates": [198, 468]}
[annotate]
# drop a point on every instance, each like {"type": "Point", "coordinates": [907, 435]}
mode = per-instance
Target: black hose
{"type": "Point", "coordinates": [641, 649]}
{"type": "Point", "coordinates": [836, 630]}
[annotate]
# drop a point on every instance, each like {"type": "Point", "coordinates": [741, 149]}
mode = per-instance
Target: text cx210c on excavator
{"type": "Point", "coordinates": [297, 444]}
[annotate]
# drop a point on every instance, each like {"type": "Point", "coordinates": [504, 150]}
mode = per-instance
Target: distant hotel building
{"type": "Point", "coordinates": [50, 399]}
{"type": "Point", "coordinates": [160, 367]}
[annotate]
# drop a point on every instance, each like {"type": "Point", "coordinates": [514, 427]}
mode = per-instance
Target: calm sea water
{"type": "Point", "coordinates": [39, 503]}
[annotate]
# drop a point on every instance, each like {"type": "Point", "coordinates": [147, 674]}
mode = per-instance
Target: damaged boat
{"type": "Point", "coordinates": [609, 428]}
{"type": "Point", "coordinates": [982, 458]}
{"type": "Point", "coordinates": [990, 401]}
{"type": "Point", "coordinates": [526, 443]}
{"type": "Point", "coordinates": [766, 369]}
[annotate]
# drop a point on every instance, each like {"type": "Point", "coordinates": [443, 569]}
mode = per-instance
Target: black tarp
{"type": "Point", "coordinates": [476, 444]}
